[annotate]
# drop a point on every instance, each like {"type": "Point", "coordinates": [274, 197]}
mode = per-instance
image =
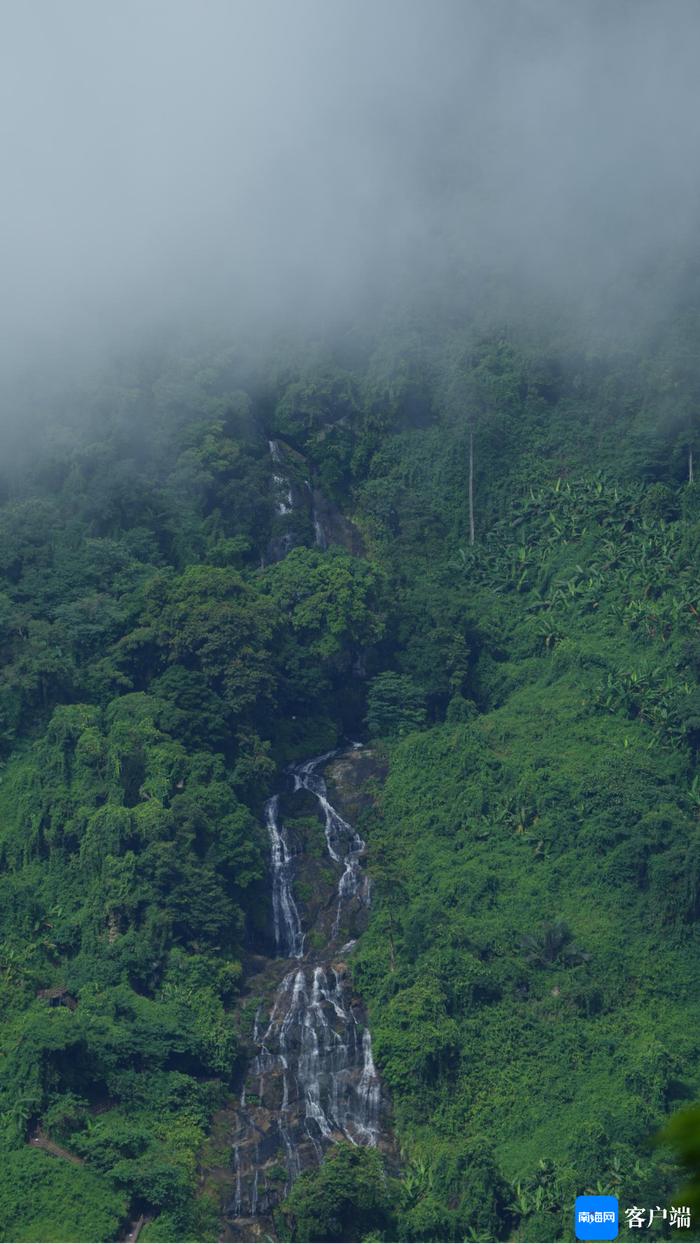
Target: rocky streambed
{"type": "Point", "coordinates": [310, 1079]}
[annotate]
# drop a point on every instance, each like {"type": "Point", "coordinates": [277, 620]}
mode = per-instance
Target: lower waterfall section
{"type": "Point", "coordinates": [311, 1079]}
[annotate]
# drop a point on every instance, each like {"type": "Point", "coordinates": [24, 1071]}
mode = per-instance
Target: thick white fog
{"type": "Point", "coordinates": [184, 160]}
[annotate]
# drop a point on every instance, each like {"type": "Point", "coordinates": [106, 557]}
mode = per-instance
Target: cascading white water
{"type": "Point", "coordinates": [285, 500]}
{"type": "Point", "coordinates": [343, 842]}
{"type": "Point", "coordinates": [238, 1203]}
{"type": "Point", "coordinates": [313, 1079]}
{"type": "Point", "coordinates": [319, 533]}
{"type": "Point", "coordinates": [314, 1036]}
{"type": "Point", "coordinates": [289, 939]}
{"type": "Point", "coordinates": [369, 1090]}
{"type": "Point", "coordinates": [288, 499]}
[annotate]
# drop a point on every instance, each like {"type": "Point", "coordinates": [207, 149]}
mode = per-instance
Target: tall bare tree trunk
{"type": "Point", "coordinates": [691, 478]}
{"type": "Point", "coordinates": [471, 485]}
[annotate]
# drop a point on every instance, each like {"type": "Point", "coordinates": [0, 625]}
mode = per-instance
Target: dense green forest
{"type": "Point", "coordinates": [530, 968]}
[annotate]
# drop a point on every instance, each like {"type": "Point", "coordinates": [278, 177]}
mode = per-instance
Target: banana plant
{"type": "Point", "coordinates": [417, 1180]}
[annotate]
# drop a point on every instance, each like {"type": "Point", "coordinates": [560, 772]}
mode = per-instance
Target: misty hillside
{"type": "Point", "coordinates": [349, 619]}
{"type": "Point", "coordinates": [186, 612]}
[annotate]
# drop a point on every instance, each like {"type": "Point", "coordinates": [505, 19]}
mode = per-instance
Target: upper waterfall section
{"type": "Point", "coordinates": [302, 513]}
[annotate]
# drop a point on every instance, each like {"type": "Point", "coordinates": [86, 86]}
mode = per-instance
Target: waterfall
{"type": "Point", "coordinates": [288, 491]}
{"type": "Point", "coordinates": [289, 939]}
{"type": "Point", "coordinates": [315, 1042]}
{"type": "Point", "coordinates": [285, 500]}
{"type": "Point", "coordinates": [319, 533]}
{"type": "Point", "coordinates": [238, 1203]}
{"type": "Point", "coordinates": [343, 842]}
{"type": "Point", "coordinates": [312, 1080]}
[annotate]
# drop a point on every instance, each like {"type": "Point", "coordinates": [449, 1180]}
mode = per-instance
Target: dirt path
{"type": "Point", "coordinates": [41, 1141]}
{"type": "Point", "coordinates": [135, 1229]}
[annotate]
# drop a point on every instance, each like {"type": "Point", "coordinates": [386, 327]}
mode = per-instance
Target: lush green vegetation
{"type": "Point", "coordinates": [349, 1197]}
{"type": "Point", "coordinates": [532, 953]}
{"type": "Point", "coordinates": [531, 962]}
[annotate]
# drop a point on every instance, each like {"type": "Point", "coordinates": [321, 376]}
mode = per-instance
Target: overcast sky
{"type": "Point", "coordinates": [176, 158]}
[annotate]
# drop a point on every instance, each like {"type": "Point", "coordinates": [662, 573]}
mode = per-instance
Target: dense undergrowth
{"type": "Point", "coordinates": [531, 963]}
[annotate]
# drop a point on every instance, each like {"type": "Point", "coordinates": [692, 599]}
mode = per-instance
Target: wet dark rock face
{"type": "Point", "coordinates": [332, 527]}
{"type": "Point", "coordinates": [310, 1079]}
{"type": "Point", "coordinates": [303, 514]}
